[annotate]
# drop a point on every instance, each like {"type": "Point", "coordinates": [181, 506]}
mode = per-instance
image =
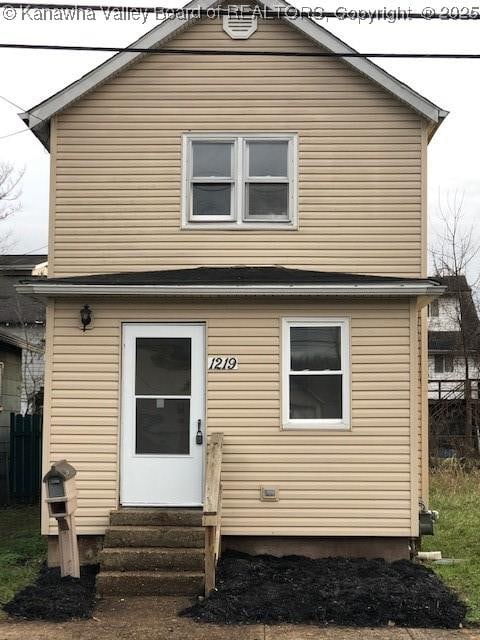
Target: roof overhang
{"type": "Point", "coordinates": [38, 118]}
{"type": "Point", "coordinates": [21, 343]}
{"type": "Point", "coordinates": [45, 289]}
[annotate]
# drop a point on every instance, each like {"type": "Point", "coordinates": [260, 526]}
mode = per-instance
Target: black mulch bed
{"type": "Point", "coordinates": [54, 598]}
{"type": "Point", "coordinates": [337, 591]}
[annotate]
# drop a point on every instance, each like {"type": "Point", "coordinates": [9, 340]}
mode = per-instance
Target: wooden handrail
{"type": "Point", "coordinates": [212, 510]}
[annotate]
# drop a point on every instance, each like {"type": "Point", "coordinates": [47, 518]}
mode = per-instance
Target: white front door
{"type": "Point", "coordinates": [163, 394]}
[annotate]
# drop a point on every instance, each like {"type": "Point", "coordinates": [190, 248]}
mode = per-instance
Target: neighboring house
{"type": "Point", "coordinates": [10, 394]}
{"type": "Point", "coordinates": [453, 334]}
{"type": "Point", "coordinates": [22, 335]}
{"type": "Point", "coordinates": [238, 245]}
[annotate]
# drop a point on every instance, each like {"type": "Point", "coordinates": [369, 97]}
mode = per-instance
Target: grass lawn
{"type": "Point", "coordinates": [22, 549]}
{"type": "Point", "coordinates": [456, 495]}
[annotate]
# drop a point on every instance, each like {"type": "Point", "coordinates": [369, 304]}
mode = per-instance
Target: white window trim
{"type": "Point", "coordinates": [239, 175]}
{"type": "Point", "coordinates": [327, 424]}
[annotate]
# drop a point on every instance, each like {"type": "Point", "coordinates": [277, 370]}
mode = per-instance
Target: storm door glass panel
{"type": "Point", "coordinates": [162, 396]}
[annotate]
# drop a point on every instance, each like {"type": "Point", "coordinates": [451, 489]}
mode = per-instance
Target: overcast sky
{"type": "Point", "coordinates": [27, 77]}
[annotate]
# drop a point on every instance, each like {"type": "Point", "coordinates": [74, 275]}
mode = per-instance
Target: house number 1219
{"type": "Point", "coordinates": [222, 363]}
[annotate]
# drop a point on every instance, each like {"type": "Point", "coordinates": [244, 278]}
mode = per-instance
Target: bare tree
{"type": "Point", "coordinates": [32, 361]}
{"type": "Point", "coordinates": [10, 179]}
{"type": "Point", "coordinates": [32, 373]}
{"type": "Point", "coordinates": [453, 254]}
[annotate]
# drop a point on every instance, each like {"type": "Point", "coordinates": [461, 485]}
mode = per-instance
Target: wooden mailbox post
{"type": "Point", "coordinates": [62, 503]}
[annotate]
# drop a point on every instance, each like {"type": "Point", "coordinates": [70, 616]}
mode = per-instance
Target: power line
{"type": "Point", "coordinates": [220, 52]}
{"type": "Point", "coordinates": [17, 106]}
{"type": "Point", "coordinates": [428, 13]}
{"type": "Point", "coordinates": [28, 253]}
{"type": "Point", "coordinates": [14, 133]}
{"type": "Point", "coordinates": [12, 103]}
{"type": "Point", "coordinates": [240, 52]}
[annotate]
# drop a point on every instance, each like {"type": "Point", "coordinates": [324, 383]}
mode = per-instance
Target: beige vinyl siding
{"type": "Point", "coordinates": [117, 179]}
{"type": "Point", "coordinates": [356, 482]}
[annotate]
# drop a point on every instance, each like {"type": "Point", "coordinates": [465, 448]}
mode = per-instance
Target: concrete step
{"type": "Point", "coordinates": [156, 517]}
{"type": "Point", "coordinates": [149, 583]}
{"type": "Point", "coordinates": [151, 559]}
{"type": "Point", "coordinates": [124, 536]}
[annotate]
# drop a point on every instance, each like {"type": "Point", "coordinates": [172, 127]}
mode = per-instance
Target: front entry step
{"type": "Point", "coordinates": [152, 559]}
{"type": "Point", "coordinates": [159, 536]}
{"type": "Point", "coordinates": [149, 583]}
{"type": "Point", "coordinates": [153, 552]}
{"type": "Point", "coordinates": [156, 517]}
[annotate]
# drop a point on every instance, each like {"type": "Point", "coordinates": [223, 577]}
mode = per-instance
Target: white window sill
{"type": "Point", "coordinates": [315, 425]}
{"type": "Point", "coordinates": [221, 226]}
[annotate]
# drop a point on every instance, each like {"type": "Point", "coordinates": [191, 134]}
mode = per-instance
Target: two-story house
{"type": "Point", "coordinates": [22, 343]}
{"type": "Point", "coordinates": [453, 370]}
{"type": "Point", "coordinates": [237, 245]}
{"type": "Point", "coordinates": [453, 341]}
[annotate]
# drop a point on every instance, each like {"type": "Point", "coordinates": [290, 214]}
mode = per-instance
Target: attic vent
{"type": "Point", "coordinates": [238, 24]}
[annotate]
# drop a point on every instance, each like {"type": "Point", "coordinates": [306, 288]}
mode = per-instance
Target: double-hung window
{"type": "Point", "coordinates": [316, 388]}
{"type": "Point", "coordinates": [239, 180]}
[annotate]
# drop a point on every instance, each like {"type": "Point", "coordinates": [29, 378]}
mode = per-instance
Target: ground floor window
{"type": "Point", "coordinates": [316, 387]}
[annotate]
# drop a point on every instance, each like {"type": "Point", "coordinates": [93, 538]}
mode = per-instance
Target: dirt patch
{"type": "Point", "coordinates": [54, 598]}
{"type": "Point", "coordinates": [339, 591]}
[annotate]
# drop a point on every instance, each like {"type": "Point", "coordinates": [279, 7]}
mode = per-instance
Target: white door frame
{"type": "Point", "coordinates": [162, 479]}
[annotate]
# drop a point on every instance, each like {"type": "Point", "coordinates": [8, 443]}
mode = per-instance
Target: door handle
{"type": "Point", "coordinates": [199, 436]}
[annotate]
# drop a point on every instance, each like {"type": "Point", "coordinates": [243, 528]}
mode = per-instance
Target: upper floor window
{"type": "Point", "coordinates": [239, 180]}
{"type": "Point", "coordinates": [443, 363]}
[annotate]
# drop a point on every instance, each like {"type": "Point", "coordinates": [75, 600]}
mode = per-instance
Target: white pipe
{"type": "Point", "coordinates": [429, 555]}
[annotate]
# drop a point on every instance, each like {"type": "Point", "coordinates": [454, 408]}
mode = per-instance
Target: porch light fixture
{"type": "Point", "coordinates": [85, 316]}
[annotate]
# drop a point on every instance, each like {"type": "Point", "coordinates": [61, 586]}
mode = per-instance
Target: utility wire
{"type": "Point", "coordinates": [228, 52]}
{"type": "Point", "coordinates": [14, 133]}
{"type": "Point", "coordinates": [17, 106]}
{"type": "Point", "coordinates": [379, 14]}
{"type": "Point", "coordinates": [239, 52]}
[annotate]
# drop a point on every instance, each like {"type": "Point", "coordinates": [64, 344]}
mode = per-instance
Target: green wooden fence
{"type": "Point", "coordinates": [25, 457]}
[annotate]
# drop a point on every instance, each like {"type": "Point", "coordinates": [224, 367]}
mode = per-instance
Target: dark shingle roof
{"type": "Point", "coordinates": [235, 276]}
{"type": "Point", "coordinates": [14, 308]}
{"type": "Point", "coordinates": [444, 341]}
{"type": "Point", "coordinates": [458, 288]}
{"type": "Point", "coordinates": [454, 284]}
{"type": "Point", "coordinates": [21, 261]}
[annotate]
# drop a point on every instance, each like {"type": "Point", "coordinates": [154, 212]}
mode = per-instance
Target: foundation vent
{"type": "Point", "coordinates": [239, 24]}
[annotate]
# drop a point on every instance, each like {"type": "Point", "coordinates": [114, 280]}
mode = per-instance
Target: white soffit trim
{"type": "Point", "coordinates": [37, 118]}
{"type": "Point", "coordinates": [46, 289]}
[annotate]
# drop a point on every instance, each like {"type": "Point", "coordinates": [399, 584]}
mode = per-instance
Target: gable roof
{"type": "Point", "coordinates": [38, 118]}
{"type": "Point", "coordinates": [457, 287]}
